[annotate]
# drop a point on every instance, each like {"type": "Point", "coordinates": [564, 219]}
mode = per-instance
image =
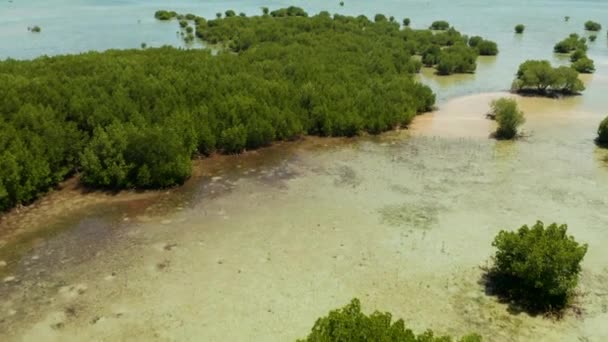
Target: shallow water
{"type": "Point", "coordinates": [256, 247]}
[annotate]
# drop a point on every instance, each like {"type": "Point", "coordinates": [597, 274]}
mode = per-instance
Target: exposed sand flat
{"type": "Point", "coordinates": [261, 245]}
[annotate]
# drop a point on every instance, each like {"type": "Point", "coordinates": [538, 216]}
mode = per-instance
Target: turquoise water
{"type": "Point", "coordinates": [73, 26]}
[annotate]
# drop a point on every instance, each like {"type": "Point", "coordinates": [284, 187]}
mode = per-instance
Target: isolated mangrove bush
{"type": "Point", "coordinates": [537, 266]}
{"type": "Point", "coordinates": [519, 28]}
{"type": "Point", "coordinates": [602, 133]}
{"type": "Point", "coordinates": [349, 324]}
{"type": "Point", "coordinates": [570, 44]}
{"type": "Point", "coordinates": [508, 117]}
{"type": "Point", "coordinates": [539, 77]}
{"type": "Point", "coordinates": [592, 26]}
{"type": "Point", "coordinates": [165, 15]}
{"type": "Point", "coordinates": [407, 22]}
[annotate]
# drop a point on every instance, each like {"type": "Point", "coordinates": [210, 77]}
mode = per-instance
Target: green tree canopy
{"type": "Point", "coordinates": [538, 265]}
{"type": "Point", "coordinates": [508, 117]}
{"type": "Point", "coordinates": [349, 324]}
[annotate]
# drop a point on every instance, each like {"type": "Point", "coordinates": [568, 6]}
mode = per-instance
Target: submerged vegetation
{"type": "Point", "coordinates": [537, 267]}
{"type": "Point", "coordinates": [540, 78]}
{"type": "Point", "coordinates": [507, 116]}
{"type": "Point", "coordinates": [349, 324]}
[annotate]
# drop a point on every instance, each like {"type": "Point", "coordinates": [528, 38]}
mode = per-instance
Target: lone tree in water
{"type": "Point", "coordinates": [519, 28]}
{"type": "Point", "coordinates": [602, 133]}
{"type": "Point", "coordinates": [508, 116]}
{"type": "Point", "coordinates": [349, 324]}
{"type": "Point", "coordinates": [537, 267]}
{"type": "Point", "coordinates": [592, 26]}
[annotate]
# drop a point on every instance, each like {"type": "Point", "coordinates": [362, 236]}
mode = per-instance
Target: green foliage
{"type": "Point", "coordinates": [602, 132]}
{"type": "Point", "coordinates": [519, 28]}
{"type": "Point", "coordinates": [165, 15]}
{"type": "Point", "coordinates": [474, 41]}
{"type": "Point", "coordinates": [440, 25]}
{"type": "Point", "coordinates": [380, 18]}
{"type": "Point", "coordinates": [265, 10]}
{"type": "Point", "coordinates": [572, 43]}
{"type": "Point", "coordinates": [457, 59]}
{"type": "Point", "coordinates": [584, 65]}
{"type": "Point", "coordinates": [487, 48]}
{"type": "Point", "coordinates": [592, 38]}
{"type": "Point", "coordinates": [578, 54]}
{"type": "Point", "coordinates": [541, 78]}
{"type": "Point", "coordinates": [134, 118]}
{"type": "Point", "coordinates": [349, 324]}
{"type": "Point", "coordinates": [290, 11]}
{"type": "Point", "coordinates": [538, 265]}
{"type": "Point", "coordinates": [183, 23]}
{"type": "Point", "coordinates": [341, 3]}
{"type": "Point", "coordinates": [35, 29]}
{"type": "Point", "coordinates": [508, 116]}
{"type": "Point", "coordinates": [592, 26]}
{"type": "Point", "coordinates": [230, 13]}
{"type": "Point", "coordinates": [407, 22]}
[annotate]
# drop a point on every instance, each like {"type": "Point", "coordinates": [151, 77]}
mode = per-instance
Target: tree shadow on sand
{"type": "Point", "coordinates": [509, 290]}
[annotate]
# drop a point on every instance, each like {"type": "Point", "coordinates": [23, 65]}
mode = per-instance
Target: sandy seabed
{"type": "Point", "coordinates": [259, 246]}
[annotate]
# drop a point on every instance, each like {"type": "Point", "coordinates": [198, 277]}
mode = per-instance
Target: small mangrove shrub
{"type": "Point", "coordinates": [35, 29]}
{"type": "Point", "coordinates": [507, 116]}
{"type": "Point", "coordinates": [602, 133]}
{"type": "Point", "coordinates": [519, 28]}
{"type": "Point", "coordinates": [538, 266]}
{"type": "Point", "coordinates": [407, 22]}
{"type": "Point", "coordinates": [592, 26]}
{"type": "Point", "coordinates": [572, 43]}
{"type": "Point", "coordinates": [592, 38]}
{"type": "Point", "coordinates": [165, 15]}
{"type": "Point", "coordinates": [349, 324]}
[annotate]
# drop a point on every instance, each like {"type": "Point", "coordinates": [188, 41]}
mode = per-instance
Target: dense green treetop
{"type": "Point", "coordinates": [440, 25]}
{"type": "Point", "coordinates": [519, 28]}
{"type": "Point", "coordinates": [541, 78]}
{"type": "Point", "coordinates": [538, 265]}
{"type": "Point", "coordinates": [572, 43]}
{"type": "Point", "coordinates": [602, 132]}
{"type": "Point", "coordinates": [592, 26]}
{"type": "Point", "coordinates": [349, 324]}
